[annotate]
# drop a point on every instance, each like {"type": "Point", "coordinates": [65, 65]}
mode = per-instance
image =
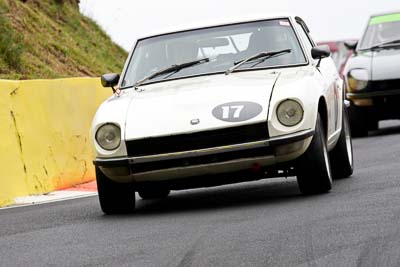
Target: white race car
{"type": "Point", "coordinates": [221, 104]}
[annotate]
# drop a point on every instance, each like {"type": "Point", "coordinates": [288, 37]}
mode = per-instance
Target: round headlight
{"type": "Point", "coordinates": [108, 136]}
{"type": "Point", "coordinates": [289, 112]}
{"type": "Point", "coordinates": [358, 79]}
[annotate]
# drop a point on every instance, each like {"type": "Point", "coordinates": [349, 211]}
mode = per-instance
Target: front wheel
{"type": "Point", "coordinates": [114, 197]}
{"type": "Point", "coordinates": [313, 167]}
{"type": "Point", "coordinates": [341, 157]}
{"type": "Point", "coordinates": [373, 125]}
{"type": "Point", "coordinates": [358, 121]}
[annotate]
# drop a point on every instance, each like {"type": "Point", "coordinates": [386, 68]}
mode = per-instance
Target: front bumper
{"type": "Point", "coordinates": [377, 105]}
{"type": "Point", "coordinates": [210, 161]}
{"type": "Point", "coordinates": [373, 94]}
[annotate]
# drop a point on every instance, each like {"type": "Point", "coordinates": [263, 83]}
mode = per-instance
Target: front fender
{"type": "Point", "coordinates": [113, 110]}
{"type": "Point", "coordinates": [303, 87]}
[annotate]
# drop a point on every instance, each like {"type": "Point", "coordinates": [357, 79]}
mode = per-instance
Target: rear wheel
{"type": "Point", "coordinates": [358, 121]}
{"type": "Point", "coordinates": [341, 157]}
{"type": "Point", "coordinates": [153, 193]}
{"type": "Point", "coordinates": [313, 167]}
{"type": "Point", "coordinates": [114, 197]}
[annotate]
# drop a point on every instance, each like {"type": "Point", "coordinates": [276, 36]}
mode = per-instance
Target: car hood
{"type": "Point", "coordinates": [198, 104]}
{"type": "Point", "coordinates": [386, 64]}
{"type": "Point", "coordinates": [383, 64]}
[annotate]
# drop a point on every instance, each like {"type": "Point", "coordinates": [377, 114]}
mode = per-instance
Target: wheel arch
{"type": "Point", "coordinates": [323, 111]}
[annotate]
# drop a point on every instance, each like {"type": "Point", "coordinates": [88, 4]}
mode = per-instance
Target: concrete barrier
{"type": "Point", "coordinates": [44, 134]}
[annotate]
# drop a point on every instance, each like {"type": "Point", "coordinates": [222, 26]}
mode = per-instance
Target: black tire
{"type": "Point", "coordinates": [154, 193]}
{"type": "Point", "coordinates": [358, 121]}
{"type": "Point", "coordinates": [373, 125]}
{"type": "Point", "coordinates": [115, 198]}
{"type": "Point", "coordinates": [313, 167]}
{"type": "Point", "coordinates": [341, 157]}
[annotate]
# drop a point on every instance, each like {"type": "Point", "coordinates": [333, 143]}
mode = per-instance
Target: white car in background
{"type": "Point", "coordinates": [221, 104]}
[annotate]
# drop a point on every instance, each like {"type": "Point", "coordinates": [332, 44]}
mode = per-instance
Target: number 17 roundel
{"type": "Point", "coordinates": [237, 111]}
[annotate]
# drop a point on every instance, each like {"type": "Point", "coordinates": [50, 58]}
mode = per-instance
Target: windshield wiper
{"type": "Point", "coordinates": [174, 68]}
{"type": "Point", "coordinates": [384, 44]}
{"type": "Point", "coordinates": [262, 56]}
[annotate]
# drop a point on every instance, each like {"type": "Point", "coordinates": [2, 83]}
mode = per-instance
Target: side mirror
{"type": "Point", "coordinates": [351, 45]}
{"type": "Point", "coordinates": [110, 80]}
{"type": "Point", "coordinates": [321, 51]}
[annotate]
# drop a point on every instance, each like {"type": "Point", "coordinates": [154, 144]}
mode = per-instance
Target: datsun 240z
{"type": "Point", "coordinates": [372, 74]}
{"type": "Point", "coordinates": [221, 104]}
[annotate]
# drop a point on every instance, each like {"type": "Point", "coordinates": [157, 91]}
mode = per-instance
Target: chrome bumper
{"type": "Point", "coordinates": [284, 148]}
{"type": "Point", "coordinates": [361, 95]}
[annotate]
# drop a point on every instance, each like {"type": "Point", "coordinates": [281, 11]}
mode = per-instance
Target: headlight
{"type": "Point", "coordinates": [358, 79]}
{"type": "Point", "coordinates": [289, 112]}
{"type": "Point", "coordinates": [108, 136]}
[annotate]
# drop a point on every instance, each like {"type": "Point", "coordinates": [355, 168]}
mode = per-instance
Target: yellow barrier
{"type": "Point", "coordinates": [44, 132]}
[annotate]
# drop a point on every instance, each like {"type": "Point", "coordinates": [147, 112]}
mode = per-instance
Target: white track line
{"type": "Point", "coordinates": [55, 196]}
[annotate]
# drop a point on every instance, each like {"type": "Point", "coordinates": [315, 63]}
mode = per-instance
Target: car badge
{"type": "Point", "coordinates": [195, 121]}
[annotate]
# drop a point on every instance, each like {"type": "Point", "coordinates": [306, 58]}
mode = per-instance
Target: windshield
{"type": "Point", "coordinates": [381, 29]}
{"type": "Point", "coordinates": [223, 46]}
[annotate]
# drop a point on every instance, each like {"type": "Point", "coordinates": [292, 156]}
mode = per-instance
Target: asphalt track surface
{"type": "Point", "coordinates": [264, 223]}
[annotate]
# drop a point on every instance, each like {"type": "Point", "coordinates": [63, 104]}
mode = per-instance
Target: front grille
{"type": "Point", "coordinates": [198, 140]}
{"type": "Point", "coordinates": [384, 85]}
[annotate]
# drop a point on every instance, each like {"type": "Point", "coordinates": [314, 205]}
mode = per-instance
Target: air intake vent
{"type": "Point", "coordinates": [198, 140]}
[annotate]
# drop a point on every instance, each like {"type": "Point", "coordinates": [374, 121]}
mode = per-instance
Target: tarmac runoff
{"type": "Point", "coordinates": [78, 191]}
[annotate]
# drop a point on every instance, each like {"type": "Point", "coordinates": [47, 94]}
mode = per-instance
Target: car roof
{"type": "Point", "coordinates": [214, 23]}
